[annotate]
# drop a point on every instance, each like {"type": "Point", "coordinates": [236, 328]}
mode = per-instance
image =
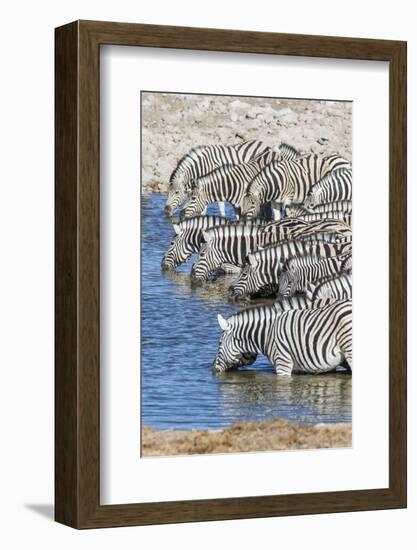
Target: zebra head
{"type": "Point", "coordinates": [194, 206]}
{"type": "Point", "coordinates": [205, 263]}
{"type": "Point", "coordinates": [314, 197]}
{"type": "Point", "coordinates": [232, 352]}
{"type": "Point", "coordinates": [251, 206]}
{"type": "Point", "coordinates": [247, 282]}
{"type": "Point", "coordinates": [176, 196]}
{"type": "Point", "coordinates": [179, 250]}
{"type": "Point", "coordinates": [287, 284]}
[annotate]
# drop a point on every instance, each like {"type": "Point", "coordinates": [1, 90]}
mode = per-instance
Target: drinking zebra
{"type": "Point", "coordinates": [226, 184]}
{"type": "Point", "coordinates": [246, 333]}
{"type": "Point", "coordinates": [338, 287]}
{"type": "Point", "coordinates": [227, 245]}
{"type": "Point", "coordinates": [262, 270]}
{"type": "Point", "coordinates": [313, 339]}
{"type": "Point", "coordinates": [188, 238]}
{"type": "Point", "coordinates": [336, 186]}
{"type": "Point", "coordinates": [308, 269]}
{"type": "Point", "coordinates": [288, 182]}
{"type": "Point", "coordinates": [202, 160]}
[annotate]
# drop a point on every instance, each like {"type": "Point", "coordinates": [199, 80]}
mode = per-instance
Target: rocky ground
{"type": "Point", "coordinates": [267, 435]}
{"type": "Point", "coordinates": [174, 123]}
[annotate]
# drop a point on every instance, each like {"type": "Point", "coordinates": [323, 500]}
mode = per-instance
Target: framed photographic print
{"type": "Point", "coordinates": [221, 197]}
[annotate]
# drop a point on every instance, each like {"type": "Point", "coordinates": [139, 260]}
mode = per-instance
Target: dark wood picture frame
{"type": "Point", "coordinates": [77, 373]}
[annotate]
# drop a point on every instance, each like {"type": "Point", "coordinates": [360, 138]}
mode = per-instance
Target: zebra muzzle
{"type": "Point", "coordinates": [233, 294]}
{"type": "Point", "coordinates": [195, 279]}
{"type": "Point", "coordinates": [166, 266]}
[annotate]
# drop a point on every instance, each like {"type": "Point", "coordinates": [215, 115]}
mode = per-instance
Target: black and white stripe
{"type": "Point", "coordinates": [227, 245]}
{"type": "Point", "coordinates": [247, 333]}
{"type": "Point", "coordinates": [314, 340]}
{"type": "Point", "coordinates": [226, 184]}
{"type": "Point", "coordinates": [294, 211]}
{"type": "Point", "coordinates": [307, 269]}
{"type": "Point", "coordinates": [288, 182]}
{"type": "Point", "coordinates": [338, 287]}
{"type": "Point", "coordinates": [330, 215]}
{"type": "Point", "coordinates": [188, 239]}
{"type": "Point", "coordinates": [294, 228]}
{"type": "Point", "coordinates": [336, 186]}
{"type": "Point", "coordinates": [203, 160]}
{"type": "Point", "coordinates": [300, 337]}
{"type": "Point", "coordinates": [261, 272]}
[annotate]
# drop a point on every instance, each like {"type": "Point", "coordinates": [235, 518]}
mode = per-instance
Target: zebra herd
{"type": "Point", "coordinates": [291, 241]}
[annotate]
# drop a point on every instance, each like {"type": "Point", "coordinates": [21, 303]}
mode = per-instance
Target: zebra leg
{"type": "Point", "coordinates": [283, 364]}
{"type": "Point", "coordinates": [204, 212]}
{"type": "Point", "coordinates": [276, 212]}
{"type": "Point", "coordinates": [347, 353]}
{"type": "Point", "coordinates": [265, 212]}
{"type": "Point", "coordinates": [222, 209]}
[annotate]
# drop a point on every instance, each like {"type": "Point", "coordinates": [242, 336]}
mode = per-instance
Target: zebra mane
{"type": "Point", "coordinates": [329, 278]}
{"type": "Point", "coordinates": [264, 250]}
{"type": "Point", "coordinates": [289, 148]}
{"type": "Point", "coordinates": [230, 230]}
{"type": "Point", "coordinates": [266, 312]}
{"type": "Point", "coordinates": [224, 169]}
{"type": "Point", "coordinates": [204, 222]}
{"type": "Point", "coordinates": [301, 262]}
{"type": "Point", "coordinates": [292, 302]}
{"type": "Point", "coordinates": [196, 150]}
{"type": "Point", "coordinates": [244, 142]}
{"type": "Point", "coordinates": [255, 313]}
{"type": "Point", "coordinates": [285, 223]}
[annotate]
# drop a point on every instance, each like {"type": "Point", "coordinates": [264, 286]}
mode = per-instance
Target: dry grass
{"type": "Point", "coordinates": [269, 435]}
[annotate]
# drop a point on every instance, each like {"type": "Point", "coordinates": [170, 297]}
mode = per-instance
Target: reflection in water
{"type": "Point", "coordinates": [179, 342]}
{"type": "Point", "coordinates": [301, 398]}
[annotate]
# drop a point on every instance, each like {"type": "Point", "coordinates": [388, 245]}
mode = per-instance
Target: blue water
{"type": "Point", "coordinates": [179, 340]}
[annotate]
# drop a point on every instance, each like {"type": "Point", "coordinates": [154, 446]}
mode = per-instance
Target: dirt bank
{"type": "Point", "coordinates": [174, 123]}
{"type": "Point", "coordinates": [268, 435]}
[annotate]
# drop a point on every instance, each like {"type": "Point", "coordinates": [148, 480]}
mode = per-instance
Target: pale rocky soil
{"type": "Point", "coordinates": [266, 435]}
{"type": "Point", "coordinates": [174, 123]}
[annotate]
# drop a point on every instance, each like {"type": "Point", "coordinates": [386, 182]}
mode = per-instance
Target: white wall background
{"type": "Point", "coordinates": [26, 289]}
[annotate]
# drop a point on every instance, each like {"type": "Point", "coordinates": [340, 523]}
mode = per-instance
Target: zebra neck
{"type": "Point", "coordinates": [259, 323]}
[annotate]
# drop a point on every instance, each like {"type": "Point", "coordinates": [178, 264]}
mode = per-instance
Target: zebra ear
{"type": "Point", "coordinates": [224, 324]}
{"type": "Point", "coordinates": [176, 228]}
{"type": "Point", "coordinates": [252, 260]}
{"type": "Point", "coordinates": [206, 236]}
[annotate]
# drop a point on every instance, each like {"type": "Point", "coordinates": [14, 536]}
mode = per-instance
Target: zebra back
{"type": "Point", "coordinates": [330, 215]}
{"type": "Point", "coordinates": [295, 211]}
